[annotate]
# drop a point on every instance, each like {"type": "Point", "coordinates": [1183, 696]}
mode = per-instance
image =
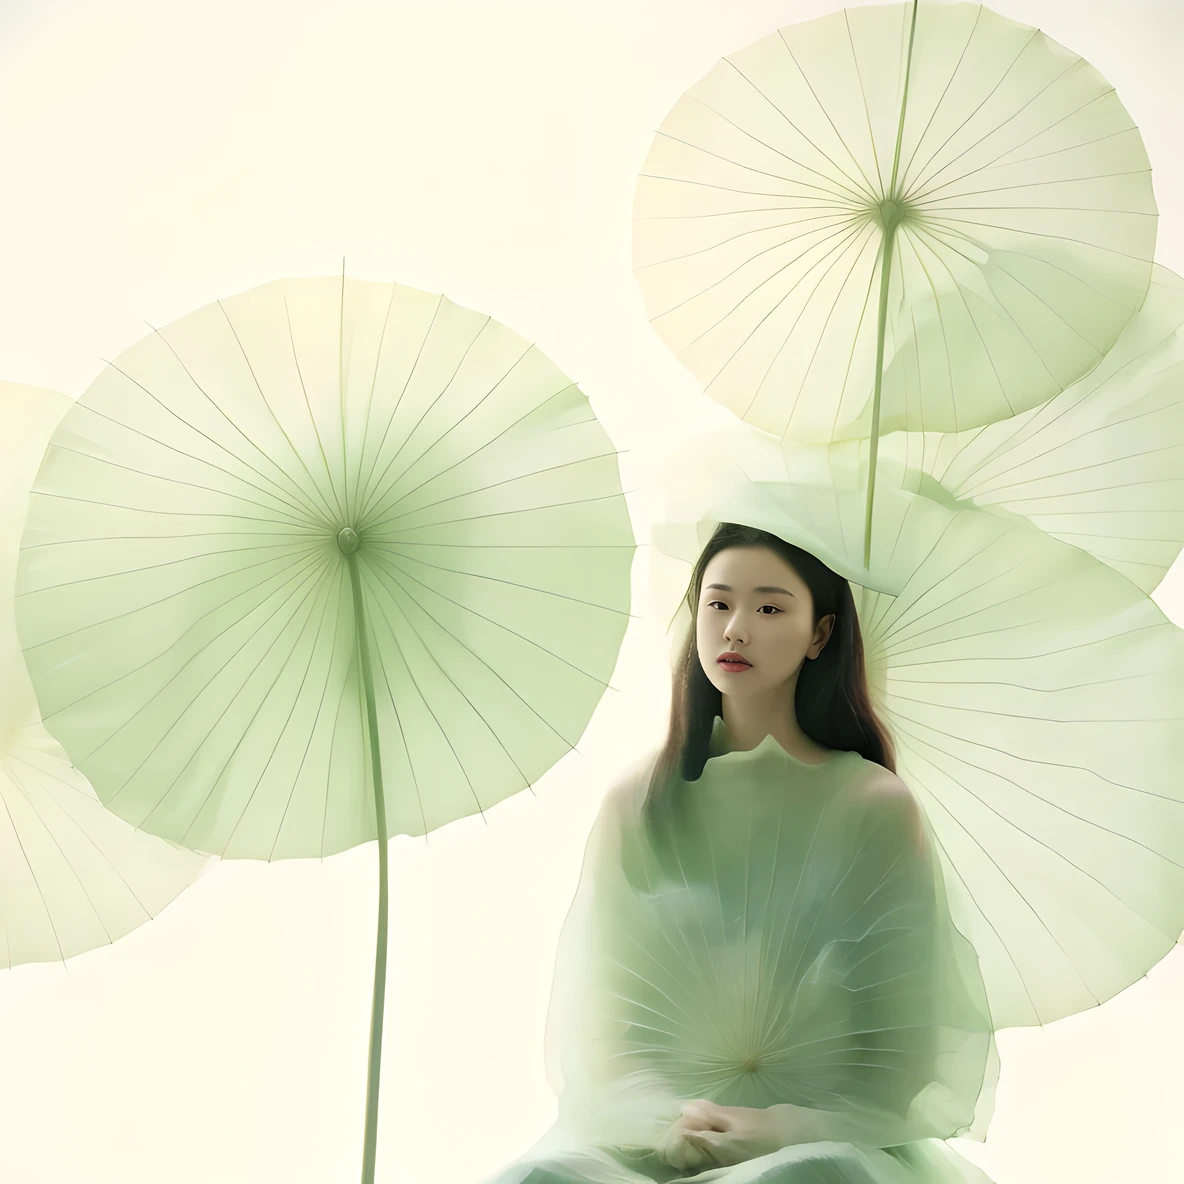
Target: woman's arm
{"type": "Point", "coordinates": [787, 1125]}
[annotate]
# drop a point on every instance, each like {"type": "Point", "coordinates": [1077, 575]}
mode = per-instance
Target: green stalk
{"type": "Point", "coordinates": [348, 541]}
{"type": "Point", "coordinates": [881, 323]}
{"type": "Point", "coordinates": [890, 214]}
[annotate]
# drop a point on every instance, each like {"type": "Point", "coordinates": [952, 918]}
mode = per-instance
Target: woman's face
{"type": "Point", "coordinates": [765, 613]}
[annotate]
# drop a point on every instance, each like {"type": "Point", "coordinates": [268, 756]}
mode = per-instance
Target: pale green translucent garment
{"type": "Point", "coordinates": [787, 944]}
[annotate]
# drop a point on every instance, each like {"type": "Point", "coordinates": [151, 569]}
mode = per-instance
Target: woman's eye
{"type": "Point", "coordinates": [713, 603]}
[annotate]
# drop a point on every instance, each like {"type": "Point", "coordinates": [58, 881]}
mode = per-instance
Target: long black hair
{"type": "Point", "coordinates": [832, 702]}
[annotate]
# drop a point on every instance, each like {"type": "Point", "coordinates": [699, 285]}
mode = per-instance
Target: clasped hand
{"type": "Point", "coordinates": [709, 1135]}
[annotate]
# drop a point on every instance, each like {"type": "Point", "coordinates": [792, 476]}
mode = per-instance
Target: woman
{"type": "Point", "coordinates": [758, 979]}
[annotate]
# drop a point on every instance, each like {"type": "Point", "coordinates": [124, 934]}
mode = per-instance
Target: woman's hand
{"type": "Point", "coordinates": [724, 1135]}
{"type": "Point", "coordinates": [677, 1150]}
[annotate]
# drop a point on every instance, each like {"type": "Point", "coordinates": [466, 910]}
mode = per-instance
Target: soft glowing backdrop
{"type": "Point", "coordinates": [158, 155]}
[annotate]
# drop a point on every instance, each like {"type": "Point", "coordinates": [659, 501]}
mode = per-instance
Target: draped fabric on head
{"type": "Point", "coordinates": [800, 954]}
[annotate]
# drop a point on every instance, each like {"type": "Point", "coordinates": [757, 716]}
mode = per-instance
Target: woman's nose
{"type": "Point", "coordinates": [735, 630]}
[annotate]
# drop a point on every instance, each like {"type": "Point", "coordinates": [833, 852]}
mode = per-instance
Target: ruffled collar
{"type": "Point", "coordinates": [768, 750]}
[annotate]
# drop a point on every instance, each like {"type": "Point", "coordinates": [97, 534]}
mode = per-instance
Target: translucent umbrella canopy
{"type": "Point", "coordinates": [186, 605]}
{"type": "Point", "coordinates": [1035, 696]}
{"type": "Point", "coordinates": [319, 564]}
{"type": "Point", "coordinates": [73, 876]}
{"type": "Point", "coordinates": [932, 195]}
{"type": "Point", "coordinates": [1099, 465]}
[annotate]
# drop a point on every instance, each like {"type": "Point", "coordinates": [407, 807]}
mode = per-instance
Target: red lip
{"type": "Point", "coordinates": [731, 656]}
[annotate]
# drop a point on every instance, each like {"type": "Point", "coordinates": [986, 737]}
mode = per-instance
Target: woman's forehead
{"type": "Point", "coordinates": [741, 570]}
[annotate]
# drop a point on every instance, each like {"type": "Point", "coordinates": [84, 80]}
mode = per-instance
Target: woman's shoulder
{"type": "Point", "coordinates": [889, 799]}
{"type": "Point", "coordinates": [882, 783]}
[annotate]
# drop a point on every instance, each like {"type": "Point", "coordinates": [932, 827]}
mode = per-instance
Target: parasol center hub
{"type": "Point", "coordinates": [891, 212]}
{"type": "Point", "coordinates": [347, 540]}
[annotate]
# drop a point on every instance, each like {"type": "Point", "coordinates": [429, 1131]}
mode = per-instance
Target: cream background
{"type": "Point", "coordinates": [157, 155]}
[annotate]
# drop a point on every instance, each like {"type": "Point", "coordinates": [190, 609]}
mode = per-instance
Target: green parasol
{"type": "Point", "coordinates": [1034, 695]}
{"type": "Point", "coordinates": [325, 562]}
{"type": "Point", "coordinates": [73, 876]}
{"type": "Point", "coordinates": [1098, 465]}
{"type": "Point", "coordinates": [898, 217]}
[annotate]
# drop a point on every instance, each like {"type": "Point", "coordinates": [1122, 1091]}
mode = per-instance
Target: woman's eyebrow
{"type": "Point", "coordinates": [763, 588]}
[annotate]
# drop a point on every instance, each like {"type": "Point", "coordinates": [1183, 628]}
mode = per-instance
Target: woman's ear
{"type": "Point", "coordinates": [823, 631]}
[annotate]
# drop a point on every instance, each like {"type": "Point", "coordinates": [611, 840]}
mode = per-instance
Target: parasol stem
{"type": "Point", "coordinates": [881, 320]}
{"type": "Point", "coordinates": [348, 541]}
{"type": "Point", "coordinates": [889, 213]}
